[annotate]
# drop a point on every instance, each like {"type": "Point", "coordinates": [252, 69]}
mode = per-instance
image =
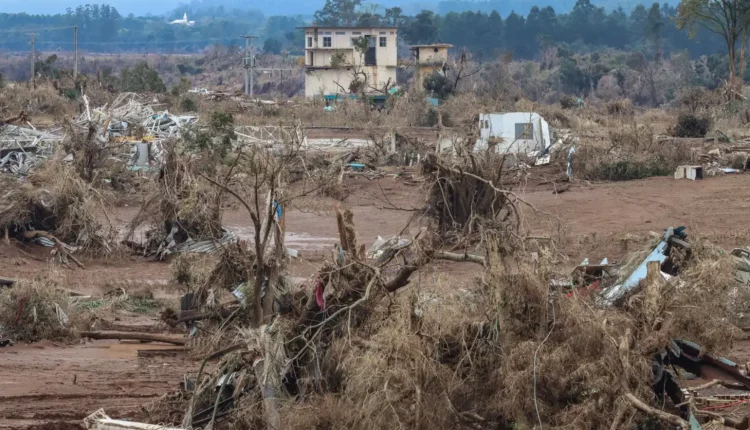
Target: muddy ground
{"type": "Point", "coordinates": [53, 385]}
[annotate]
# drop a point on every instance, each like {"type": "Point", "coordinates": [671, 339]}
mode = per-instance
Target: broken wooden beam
{"type": "Point", "coordinates": [168, 352]}
{"type": "Point", "coordinates": [146, 337]}
{"type": "Point", "coordinates": [459, 258]}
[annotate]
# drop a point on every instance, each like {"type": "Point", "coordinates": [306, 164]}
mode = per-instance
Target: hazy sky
{"type": "Point", "coordinates": [125, 7]}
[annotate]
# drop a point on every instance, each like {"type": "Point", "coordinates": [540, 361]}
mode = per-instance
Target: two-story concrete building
{"type": "Point", "coordinates": [331, 59]}
{"type": "Point", "coordinates": [428, 59]}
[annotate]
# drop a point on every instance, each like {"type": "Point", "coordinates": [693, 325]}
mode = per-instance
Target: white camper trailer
{"type": "Point", "coordinates": [513, 133]}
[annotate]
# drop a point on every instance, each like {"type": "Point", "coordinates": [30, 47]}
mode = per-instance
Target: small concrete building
{"type": "Point", "coordinates": [428, 59]}
{"type": "Point", "coordinates": [513, 133]}
{"type": "Point", "coordinates": [331, 59]}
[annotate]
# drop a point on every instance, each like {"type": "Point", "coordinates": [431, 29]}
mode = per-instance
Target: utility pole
{"type": "Point", "coordinates": [31, 82]}
{"type": "Point", "coordinates": [75, 50]}
{"type": "Point", "coordinates": [249, 64]}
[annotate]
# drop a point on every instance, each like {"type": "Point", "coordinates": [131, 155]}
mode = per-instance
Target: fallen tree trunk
{"type": "Point", "coordinates": [460, 258]}
{"type": "Point", "coordinates": [7, 282]}
{"type": "Point", "coordinates": [118, 335]}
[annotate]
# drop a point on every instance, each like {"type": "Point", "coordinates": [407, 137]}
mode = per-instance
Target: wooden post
{"type": "Point", "coordinates": [31, 81]}
{"type": "Point", "coordinates": [75, 52]}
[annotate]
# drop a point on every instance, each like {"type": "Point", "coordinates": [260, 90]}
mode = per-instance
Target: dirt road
{"type": "Point", "coordinates": [50, 385]}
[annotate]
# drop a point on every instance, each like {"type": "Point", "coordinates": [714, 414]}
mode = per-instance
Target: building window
{"type": "Point", "coordinates": [327, 33]}
{"type": "Point", "coordinates": [326, 42]}
{"type": "Point", "coordinates": [309, 42]}
{"type": "Point", "coordinates": [383, 42]}
{"type": "Point", "coordinates": [524, 130]}
{"type": "Point", "coordinates": [357, 33]}
{"type": "Point", "coordinates": [340, 33]}
{"type": "Point", "coordinates": [382, 33]}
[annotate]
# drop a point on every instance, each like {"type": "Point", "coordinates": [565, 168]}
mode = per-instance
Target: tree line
{"type": "Point", "coordinates": [486, 35]}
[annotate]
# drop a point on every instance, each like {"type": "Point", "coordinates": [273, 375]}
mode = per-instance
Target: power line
{"type": "Point", "coordinates": [36, 30]}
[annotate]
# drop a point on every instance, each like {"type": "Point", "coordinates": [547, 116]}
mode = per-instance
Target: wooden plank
{"type": "Point", "coordinates": [171, 352]}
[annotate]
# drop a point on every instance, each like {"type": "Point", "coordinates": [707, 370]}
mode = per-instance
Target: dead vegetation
{"type": "Point", "coordinates": [38, 309]}
{"type": "Point", "coordinates": [363, 344]}
{"type": "Point", "coordinates": [632, 152]}
{"type": "Point", "coordinates": [55, 199]}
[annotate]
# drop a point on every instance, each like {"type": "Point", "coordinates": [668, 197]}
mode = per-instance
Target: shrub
{"type": "Point", "coordinates": [37, 309]}
{"type": "Point", "coordinates": [141, 78]}
{"type": "Point", "coordinates": [189, 105]}
{"type": "Point", "coordinates": [690, 125]}
{"type": "Point", "coordinates": [620, 107]}
{"type": "Point", "coordinates": [568, 102]}
{"type": "Point", "coordinates": [438, 85]}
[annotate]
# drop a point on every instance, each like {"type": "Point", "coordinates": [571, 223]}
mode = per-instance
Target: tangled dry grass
{"type": "Point", "coordinates": [57, 200]}
{"type": "Point", "coordinates": [180, 199]}
{"type": "Point", "coordinates": [632, 152]}
{"type": "Point", "coordinates": [37, 309]}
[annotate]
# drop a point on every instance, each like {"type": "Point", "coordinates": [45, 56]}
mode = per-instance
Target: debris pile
{"type": "Point", "coordinates": [183, 211]}
{"type": "Point", "coordinates": [22, 148]}
{"type": "Point", "coordinates": [129, 116]}
{"type": "Point", "coordinates": [36, 309]}
{"type": "Point", "coordinates": [55, 200]}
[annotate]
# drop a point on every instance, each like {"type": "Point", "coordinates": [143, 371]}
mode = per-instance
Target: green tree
{"type": "Point", "coordinates": [141, 78]}
{"type": "Point", "coordinates": [726, 18]}
{"type": "Point", "coordinates": [515, 35]}
{"type": "Point", "coordinates": [394, 17]}
{"type": "Point", "coordinates": [654, 26]}
{"type": "Point", "coordinates": [638, 19]}
{"type": "Point", "coordinates": [272, 46]}
{"type": "Point", "coordinates": [338, 13]}
{"type": "Point", "coordinates": [423, 28]}
{"type": "Point", "coordinates": [369, 19]}
{"type": "Point", "coordinates": [438, 85]}
{"type": "Point", "coordinates": [47, 68]}
{"type": "Point", "coordinates": [572, 78]}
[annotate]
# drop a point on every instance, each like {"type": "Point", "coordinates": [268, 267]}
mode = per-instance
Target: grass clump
{"type": "Point", "coordinates": [37, 309]}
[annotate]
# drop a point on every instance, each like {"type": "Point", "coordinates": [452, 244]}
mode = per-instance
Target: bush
{"type": "Point", "coordinates": [72, 94]}
{"type": "Point", "coordinates": [182, 87]}
{"type": "Point", "coordinates": [438, 85]}
{"type": "Point", "coordinates": [189, 105]}
{"type": "Point", "coordinates": [141, 78]}
{"type": "Point", "coordinates": [637, 168]}
{"type": "Point", "coordinates": [37, 309]}
{"type": "Point", "coordinates": [620, 107]}
{"type": "Point", "coordinates": [690, 125]}
{"type": "Point", "coordinates": [568, 102]}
